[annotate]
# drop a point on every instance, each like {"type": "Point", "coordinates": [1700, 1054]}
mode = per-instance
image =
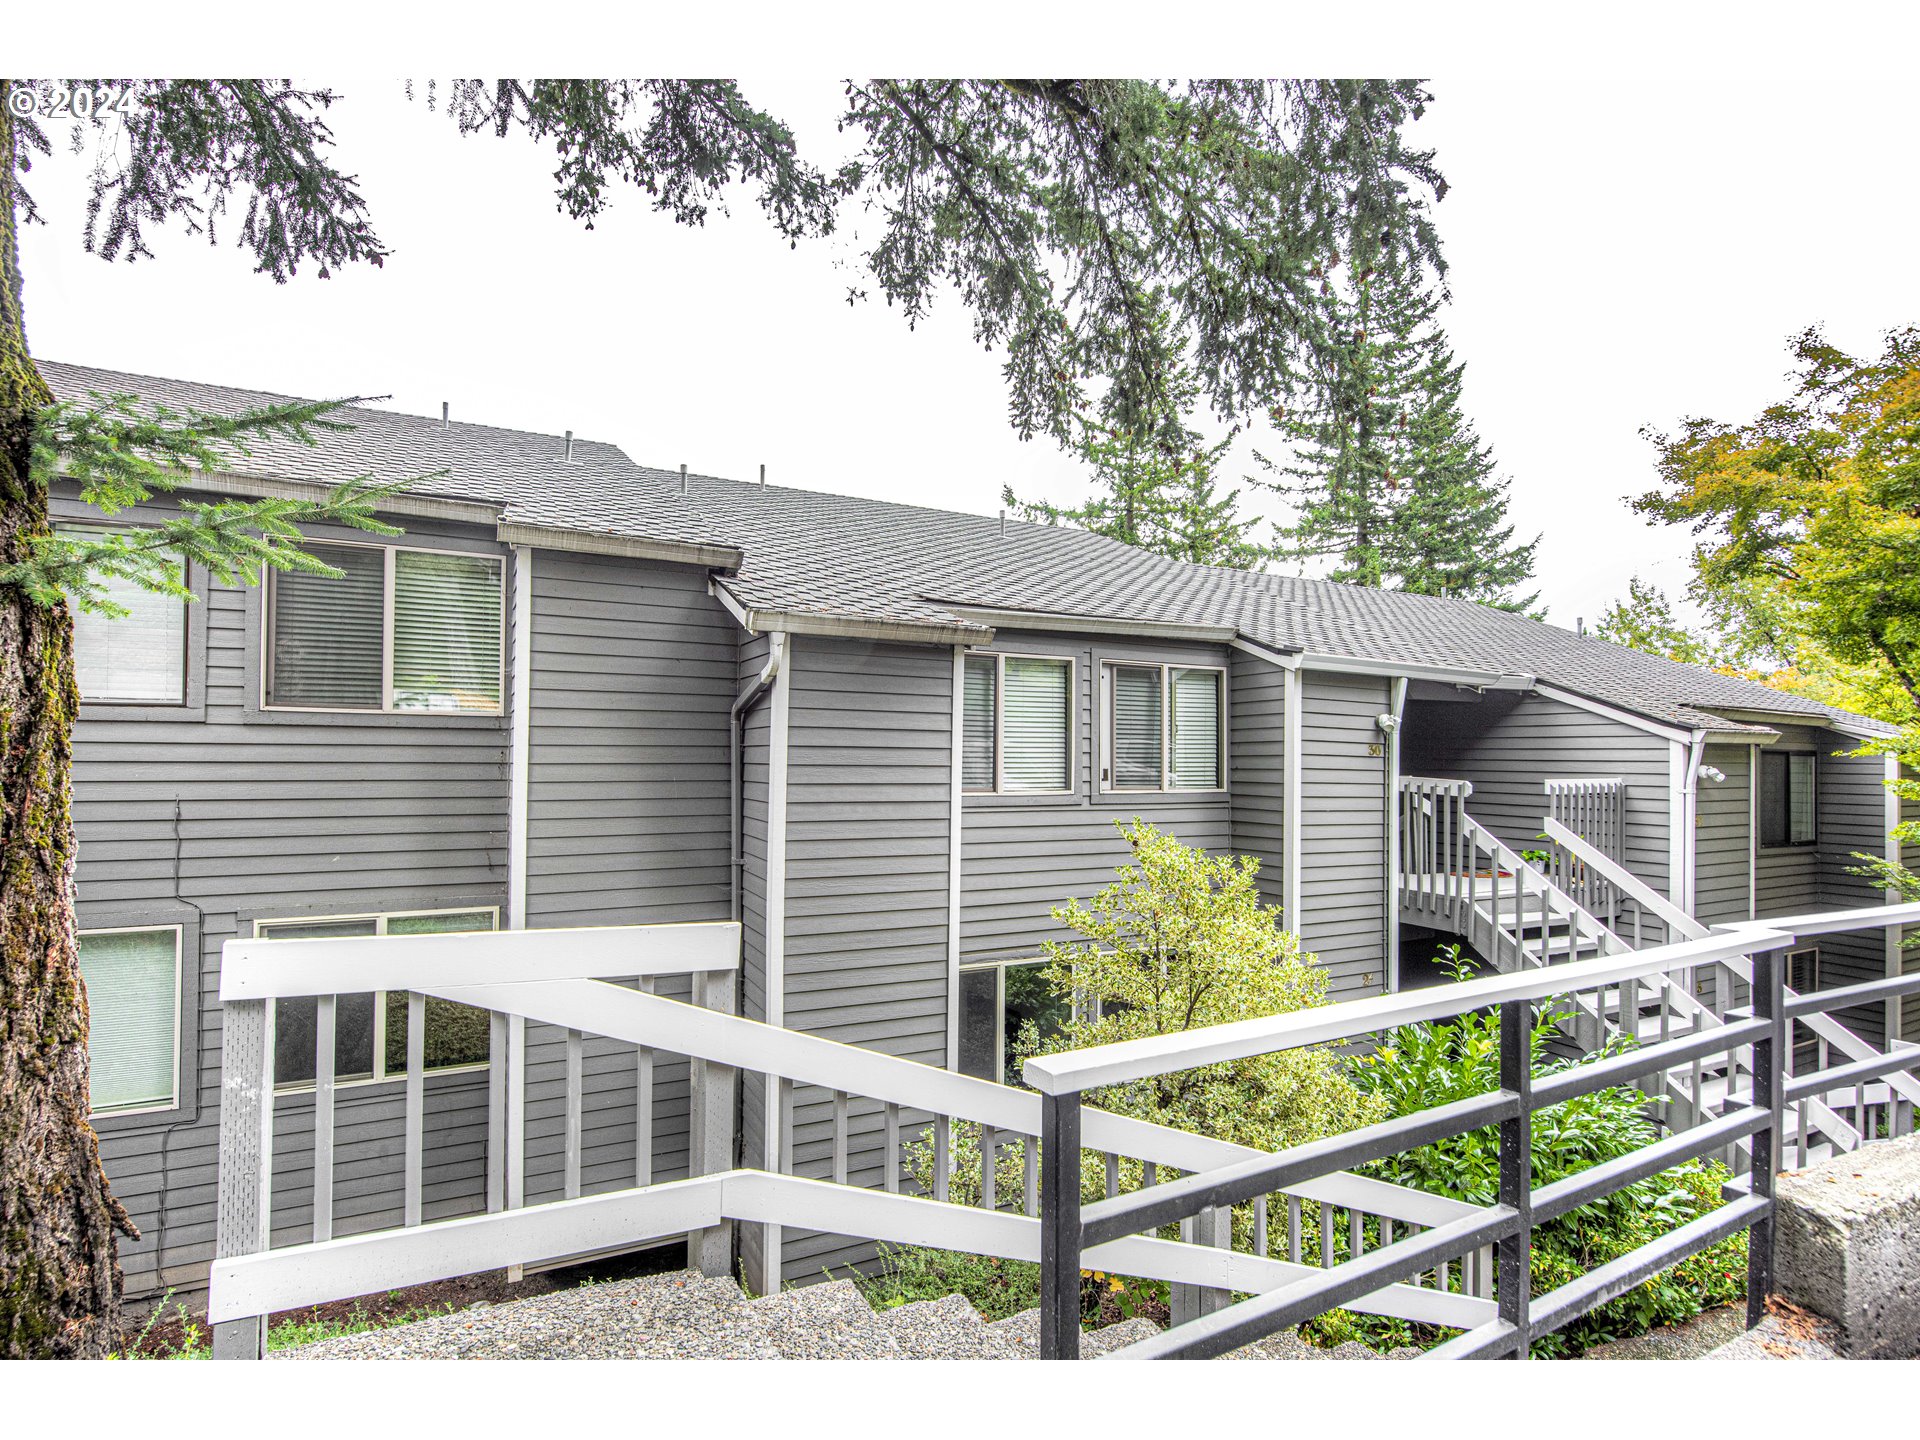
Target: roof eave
{"type": "Point", "coordinates": [1002, 618]}
{"type": "Point", "coordinates": [708, 555]}
{"type": "Point", "coordinates": [760, 621]}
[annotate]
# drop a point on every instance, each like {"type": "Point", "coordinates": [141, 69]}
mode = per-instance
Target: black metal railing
{"type": "Point", "coordinates": [1752, 1119]}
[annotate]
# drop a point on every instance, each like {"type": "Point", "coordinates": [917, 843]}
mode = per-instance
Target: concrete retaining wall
{"type": "Point", "coordinates": [1849, 1247]}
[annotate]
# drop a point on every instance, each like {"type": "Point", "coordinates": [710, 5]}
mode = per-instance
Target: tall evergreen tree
{"type": "Point", "coordinates": [1086, 224]}
{"type": "Point", "coordinates": [1159, 491]}
{"type": "Point", "coordinates": [1387, 478]}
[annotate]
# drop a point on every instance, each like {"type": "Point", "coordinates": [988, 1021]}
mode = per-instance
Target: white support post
{"type": "Point", "coordinates": [416, 1103]}
{"type": "Point", "coordinates": [244, 1212]}
{"type": "Point", "coordinates": [325, 1020]}
{"type": "Point", "coordinates": [710, 1127]}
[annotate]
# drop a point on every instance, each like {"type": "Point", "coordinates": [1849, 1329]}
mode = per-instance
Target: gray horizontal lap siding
{"type": "Point", "coordinates": [219, 817]}
{"type": "Point", "coordinates": [1343, 830]}
{"type": "Point", "coordinates": [1723, 837]}
{"type": "Point", "coordinates": [1851, 820]}
{"type": "Point", "coordinates": [1257, 780]}
{"type": "Point", "coordinates": [869, 809]}
{"type": "Point", "coordinates": [633, 670]}
{"type": "Point", "coordinates": [1787, 881]}
{"type": "Point", "coordinates": [1022, 855]}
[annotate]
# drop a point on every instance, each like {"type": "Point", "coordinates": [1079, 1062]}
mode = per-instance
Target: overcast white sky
{"type": "Point", "coordinates": [1634, 233]}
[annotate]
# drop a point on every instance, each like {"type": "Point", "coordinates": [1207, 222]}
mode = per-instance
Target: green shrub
{"type": "Point", "coordinates": [996, 1288]}
{"type": "Point", "coordinates": [1426, 1065]}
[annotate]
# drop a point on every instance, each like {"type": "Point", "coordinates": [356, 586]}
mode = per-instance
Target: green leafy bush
{"type": "Point", "coordinates": [1426, 1065]}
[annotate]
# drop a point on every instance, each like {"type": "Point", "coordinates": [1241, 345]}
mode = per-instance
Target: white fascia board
{"type": "Point", "coordinates": [626, 547]}
{"type": "Point", "coordinates": [1613, 712]}
{"type": "Point", "coordinates": [1053, 621]}
{"type": "Point", "coordinates": [1406, 670]}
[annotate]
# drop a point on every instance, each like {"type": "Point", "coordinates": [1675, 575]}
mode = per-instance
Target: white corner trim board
{"type": "Point", "coordinates": [520, 742]}
{"type": "Point", "coordinates": [955, 840]}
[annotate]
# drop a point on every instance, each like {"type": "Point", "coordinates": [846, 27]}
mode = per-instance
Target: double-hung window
{"type": "Point", "coordinates": [138, 657]}
{"type": "Point", "coordinates": [1165, 728]}
{"type": "Point", "coordinates": [1018, 725]}
{"type": "Point", "coordinates": [370, 1030]}
{"type": "Point", "coordinates": [133, 1009]}
{"type": "Point", "coordinates": [397, 629]}
{"type": "Point", "coordinates": [1786, 799]}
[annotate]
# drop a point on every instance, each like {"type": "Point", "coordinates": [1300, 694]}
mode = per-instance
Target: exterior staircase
{"type": "Point", "coordinates": [687, 1316]}
{"type": "Point", "coordinates": [1457, 876]}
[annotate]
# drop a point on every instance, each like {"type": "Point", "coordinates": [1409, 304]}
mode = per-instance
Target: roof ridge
{"type": "Point", "coordinates": [432, 421]}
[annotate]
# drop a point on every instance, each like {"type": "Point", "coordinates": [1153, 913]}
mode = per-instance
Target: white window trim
{"type": "Point", "coordinates": [387, 706]}
{"type": "Point", "coordinates": [172, 1102]}
{"type": "Point", "coordinates": [1000, 658]}
{"type": "Point", "coordinates": [381, 1075]}
{"type": "Point", "coordinates": [1166, 785]}
{"type": "Point", "coordinates": [186, 627]}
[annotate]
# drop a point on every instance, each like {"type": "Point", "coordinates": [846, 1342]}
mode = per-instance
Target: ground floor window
{"type": "Point", "coordinates": [1004, 1009]}
{"type": "Point", "coordinates": [370, 1031]}
{"type": "Point", "coordinates": [133, 1005]}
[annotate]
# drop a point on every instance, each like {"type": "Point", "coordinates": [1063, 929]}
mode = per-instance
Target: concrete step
{"type": "Point", "coordinates": [828, 1321]}
{"type": "Point", "coordinates": [951, 1329]}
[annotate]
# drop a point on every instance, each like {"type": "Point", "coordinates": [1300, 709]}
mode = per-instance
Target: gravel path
{"type": "Point", "coordinates": [684, 1316]}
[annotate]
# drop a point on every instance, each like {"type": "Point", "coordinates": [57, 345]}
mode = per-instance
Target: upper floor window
{"type": "Point", "coordinates": [370, 1030]}
{"type": "Point", "coordinates": [133, 1017]}
{"type": "Point", "coordinates": [1018, 725]}
{"type": "Point", "coordinates": [1164, 728]}
{"type": "Point", "coordinates": [137, 658]}
{"type": "Point", "coordinates": [1786, 798]}
{"type": "Point", "coordinates": [397, 630]}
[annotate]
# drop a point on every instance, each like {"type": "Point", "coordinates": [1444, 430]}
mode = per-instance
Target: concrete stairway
{"type": "Point", "coordinates": [685, 1316]}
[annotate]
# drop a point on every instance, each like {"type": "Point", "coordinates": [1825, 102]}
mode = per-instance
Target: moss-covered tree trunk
{"type": "Point", "coordinates": [59, 1271]}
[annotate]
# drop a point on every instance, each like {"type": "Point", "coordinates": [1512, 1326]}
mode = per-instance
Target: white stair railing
{"type": "Point", "coordinates": [554, 979]}
{"type": "Point", "coordinates": [1515, 915]}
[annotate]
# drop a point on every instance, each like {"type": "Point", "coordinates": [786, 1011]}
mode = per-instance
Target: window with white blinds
{"type": "Point", "coordinates": [1139, 716]}
{"type": "Point", "coordinates": [980, 745]}
{"type": "Point", "coordinates": [1194, 762]}
{"type": "Point", "coordinates": [446, 631]}
{"type": "Point", "coordinates": [133, 1011]}
{"type": "Point", "coordinates": [1018, 725]}
{"type": "Point", "coordinates": [1034, 711]}
{"type": "Point", "coordinates": [1165, 728]}
{"type": "Point", "coordinates": [335, 643]}
{"type": "Point", "coordinates": [139, 658]}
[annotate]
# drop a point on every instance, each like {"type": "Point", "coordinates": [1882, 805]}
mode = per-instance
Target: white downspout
{"type": "Point", "coordinates": [1291, 691]}
{"type": "Point", "coordinates": [1397, 706]}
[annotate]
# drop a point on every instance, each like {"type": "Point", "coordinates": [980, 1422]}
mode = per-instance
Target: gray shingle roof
{"type": "Point", "coordinates": [843, 558]}
{"type": "Point", "coordinates": [527, 475]}
{"type": "Point", "coordinates": [821, 554]}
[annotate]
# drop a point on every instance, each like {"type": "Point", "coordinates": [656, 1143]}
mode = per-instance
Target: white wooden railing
{"type": "Point", "coordinates": [1596, 811]}
{"type": "Point", "coordinates": [555, 978]}
{"type": "Point", "coordinates": [1458, 876]}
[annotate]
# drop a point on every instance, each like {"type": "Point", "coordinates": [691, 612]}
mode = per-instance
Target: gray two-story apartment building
{"type": "Point", "coordinates": [889, 739]}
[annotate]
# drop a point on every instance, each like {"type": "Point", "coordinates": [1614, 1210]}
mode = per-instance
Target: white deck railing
{"type": "Point", "coordinates": [554, 978]}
